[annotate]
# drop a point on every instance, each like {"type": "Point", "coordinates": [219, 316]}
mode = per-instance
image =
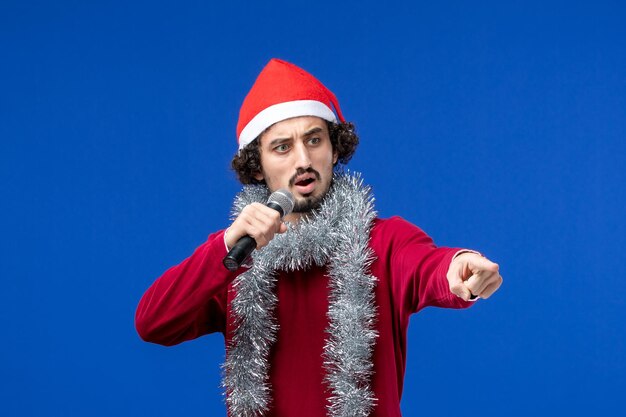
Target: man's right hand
{"type": "Point", "coordinates": [257, 221]}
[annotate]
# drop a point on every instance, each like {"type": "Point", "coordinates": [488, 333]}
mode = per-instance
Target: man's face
{"type": "Point", "coordinates": [296, 154]}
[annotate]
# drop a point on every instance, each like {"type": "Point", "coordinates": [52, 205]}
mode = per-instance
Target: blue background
{"type": "Point", "coordinates": [499, 127]}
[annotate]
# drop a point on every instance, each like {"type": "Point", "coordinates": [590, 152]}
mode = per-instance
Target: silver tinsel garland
{"type": "Point", "coordinates": [336, 235]}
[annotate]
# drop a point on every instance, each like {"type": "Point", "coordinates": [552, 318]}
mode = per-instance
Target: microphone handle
{"type": "Point", "coordinates": [242, 249]}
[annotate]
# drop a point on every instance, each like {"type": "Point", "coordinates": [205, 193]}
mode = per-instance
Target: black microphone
{"type": "Point", "coordinates": [281, 201]}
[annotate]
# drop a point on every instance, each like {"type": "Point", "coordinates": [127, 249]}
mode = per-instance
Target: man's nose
{"type": "Point", "coordinates": [303, 159]}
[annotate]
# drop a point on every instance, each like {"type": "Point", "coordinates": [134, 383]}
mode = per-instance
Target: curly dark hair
{"type": "Point", "coordinates": [247, 163]}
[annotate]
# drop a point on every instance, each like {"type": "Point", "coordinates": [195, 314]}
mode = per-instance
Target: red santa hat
{"type": "Point", "coordinates": [282, 91]}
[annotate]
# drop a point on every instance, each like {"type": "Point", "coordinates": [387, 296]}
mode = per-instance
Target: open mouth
{"type": "Point", "coordinates": [305, 182]}
{"type": "Point", "coordinates": [306, 185]}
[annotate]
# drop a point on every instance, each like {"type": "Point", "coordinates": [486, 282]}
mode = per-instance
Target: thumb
{"type": "Point", "coordinates": [282, 228]}
{"type": "Point", "coordinates": [455, 281]}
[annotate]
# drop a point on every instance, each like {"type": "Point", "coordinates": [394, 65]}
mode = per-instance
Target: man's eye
{"type": "Point", "coordinates": [314, 141]}
{"type": "Point", "coordinates": [281, 148]}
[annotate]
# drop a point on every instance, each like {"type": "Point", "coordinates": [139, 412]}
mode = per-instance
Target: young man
{"type": "Point", "coordinates": [315, 323]}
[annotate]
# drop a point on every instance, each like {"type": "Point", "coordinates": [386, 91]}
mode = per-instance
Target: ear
{"type": "Point", "coordinates": [258, 176]}
{"type": "Point", "coordinates": [335, 157]}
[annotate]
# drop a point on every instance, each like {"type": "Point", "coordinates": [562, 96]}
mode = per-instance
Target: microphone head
{"type": "Point", "coordinates": [282, 198]}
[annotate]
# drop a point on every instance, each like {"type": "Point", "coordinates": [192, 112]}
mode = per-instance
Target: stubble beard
{"type": "Point", "coordinates": [308, 204]}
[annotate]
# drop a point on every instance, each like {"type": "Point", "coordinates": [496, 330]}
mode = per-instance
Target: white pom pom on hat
{"type": "Point", "coordinates": [282, 91]}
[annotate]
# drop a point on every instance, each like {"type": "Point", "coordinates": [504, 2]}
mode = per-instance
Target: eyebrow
{"type": "Point", "coordinates": [278, 141]}
{"type": "Point", "coordinates": [312, 131]}
{"type": "Point", "coordinates": [309, 132]}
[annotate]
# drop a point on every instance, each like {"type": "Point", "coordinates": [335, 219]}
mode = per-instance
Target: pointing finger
{"type": "Point", "coordinates": [483, 264]}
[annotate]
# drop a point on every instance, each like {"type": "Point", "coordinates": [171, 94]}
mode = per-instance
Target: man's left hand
{"type": "Point", "coordinates": [471, 275]}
